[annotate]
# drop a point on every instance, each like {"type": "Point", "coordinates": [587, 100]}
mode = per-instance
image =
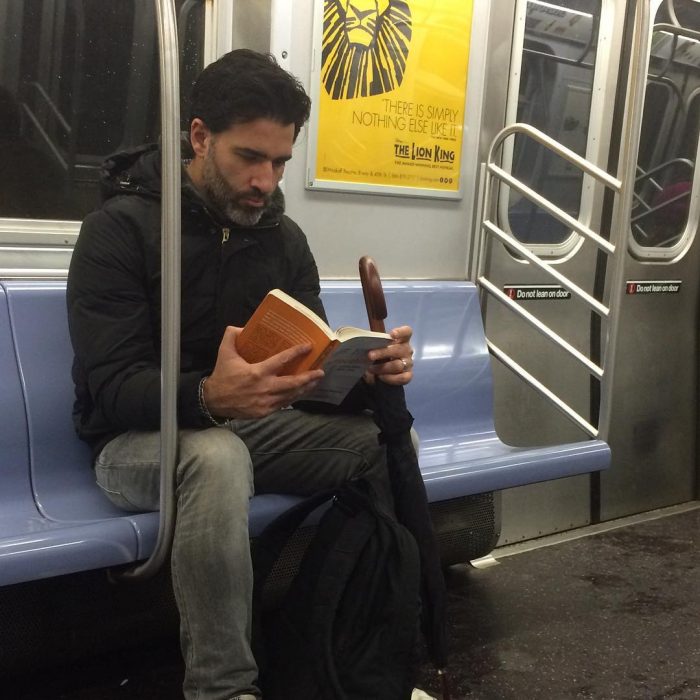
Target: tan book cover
{"type": "Point", "coordinates": [281, 322]}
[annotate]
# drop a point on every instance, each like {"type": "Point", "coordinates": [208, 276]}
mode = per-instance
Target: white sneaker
{"type": "Point", "coordinates": [419, 694]}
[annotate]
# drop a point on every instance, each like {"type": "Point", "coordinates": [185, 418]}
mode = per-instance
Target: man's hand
{"type": "Point", "coordinates": [393, 364]}
{"type": "Point", "coordinates": [237, 389]}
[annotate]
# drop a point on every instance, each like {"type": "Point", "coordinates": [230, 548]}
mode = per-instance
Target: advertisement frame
{"type": "Point", "coordinates": [409, 186]}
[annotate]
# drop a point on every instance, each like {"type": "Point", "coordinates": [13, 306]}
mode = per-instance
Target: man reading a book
{"type": "Point", "coordinates": [237, 432]}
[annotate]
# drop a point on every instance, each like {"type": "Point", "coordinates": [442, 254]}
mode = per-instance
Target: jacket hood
{"type": "Point", "coordinates": [137, 171]}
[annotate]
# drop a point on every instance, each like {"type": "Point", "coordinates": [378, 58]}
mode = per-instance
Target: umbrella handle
{"type": "Point", "coordinates": [373, 293]}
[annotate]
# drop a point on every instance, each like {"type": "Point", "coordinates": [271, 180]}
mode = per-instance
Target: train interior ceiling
{"type": "Point", "coordinates": [573, 207]}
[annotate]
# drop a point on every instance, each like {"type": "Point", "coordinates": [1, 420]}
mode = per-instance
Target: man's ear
{"type": "Point", "coordinates": [200, 137]}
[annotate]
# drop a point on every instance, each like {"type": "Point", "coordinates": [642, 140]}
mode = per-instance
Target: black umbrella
{"type": "Point", "coordinates": [408, 489]}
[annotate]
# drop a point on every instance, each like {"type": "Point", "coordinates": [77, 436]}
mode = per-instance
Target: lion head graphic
{"type": "Point", "coordinates": [365, 46]}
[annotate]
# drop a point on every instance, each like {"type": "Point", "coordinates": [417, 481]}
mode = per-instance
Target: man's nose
{"type": "Point", "coordinates": [265, 177]}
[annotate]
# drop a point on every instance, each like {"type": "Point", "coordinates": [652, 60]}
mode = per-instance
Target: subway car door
{"type": "Point", "coordinates": [654, 409]}
{"type": "Point", "coordinates": [568, 79]}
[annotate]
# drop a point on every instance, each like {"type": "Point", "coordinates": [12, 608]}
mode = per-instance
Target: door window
{"type": "Point", "coordinates": [668, 150]}
{"type": "Point", "coordinates": [554, 95]}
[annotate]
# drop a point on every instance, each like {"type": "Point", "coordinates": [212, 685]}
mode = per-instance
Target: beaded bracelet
{"type": "Point", "coordinates": [203, 406]}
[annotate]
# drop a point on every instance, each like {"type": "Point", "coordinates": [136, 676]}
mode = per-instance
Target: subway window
{"type": "Point", "coordinates": [79, 80]}
{"type": "Point", "coordinates": [671, 122]}
{"type": "Point", "coordinates": [554, 95]}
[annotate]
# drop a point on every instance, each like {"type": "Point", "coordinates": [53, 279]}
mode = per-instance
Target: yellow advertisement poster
{"type": "Point", "coordinates": [389, 88]}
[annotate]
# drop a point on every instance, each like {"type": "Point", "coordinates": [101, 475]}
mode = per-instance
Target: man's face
{"type": "Point", "coordinates": [243, 165]}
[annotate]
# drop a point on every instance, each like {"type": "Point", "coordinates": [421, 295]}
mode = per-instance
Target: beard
{"type": "Point", "coordinates": [229, 200]}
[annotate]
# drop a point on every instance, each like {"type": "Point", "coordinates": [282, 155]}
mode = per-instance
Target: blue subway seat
{"type": "Point", "coordinates": [54, 520]}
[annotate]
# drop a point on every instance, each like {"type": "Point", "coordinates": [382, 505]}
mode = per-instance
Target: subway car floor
{"type": "Point", "coordinates": [607, 612]}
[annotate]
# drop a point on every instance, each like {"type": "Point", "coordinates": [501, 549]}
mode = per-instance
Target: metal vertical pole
{"type": "Point", "coordinates": [170, 285]}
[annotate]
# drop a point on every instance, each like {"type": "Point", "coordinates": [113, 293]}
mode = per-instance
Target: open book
{"type": "Point", "coordinates": [280, 322]}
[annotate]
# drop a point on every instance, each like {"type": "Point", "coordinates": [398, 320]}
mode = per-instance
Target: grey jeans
{"type": "Point", "coordinates": [218, 471]}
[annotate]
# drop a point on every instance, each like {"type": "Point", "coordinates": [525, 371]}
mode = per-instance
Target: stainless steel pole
{"type": "Point", "coordinates": [170, 286]}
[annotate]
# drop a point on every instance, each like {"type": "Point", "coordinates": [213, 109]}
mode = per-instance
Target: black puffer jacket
{"type": "Point", "coordinates": [114, 295]}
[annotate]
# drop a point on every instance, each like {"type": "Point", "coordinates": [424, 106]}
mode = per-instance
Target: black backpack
{"type": "Point", "coordinates": [347, 626]}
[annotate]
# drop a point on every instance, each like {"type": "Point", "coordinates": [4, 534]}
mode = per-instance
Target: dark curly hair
{"type": "Point", "coordinates": [245, 85]}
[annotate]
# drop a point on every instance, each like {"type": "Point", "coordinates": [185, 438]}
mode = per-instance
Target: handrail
{"type": "Point", "coordinates": [536, 384]}
{"type": "Point", "coordinates": [634, 220]}
{"type": "Point", "coordinates": [675, 90]}
{"type": "Point", "coordinates": [170, 288]}
{"type": "Point", "coordinates": [492, 171]}
{"type": "Point", "coordinates": [671, 9]}
{"type": "Point", "coordinates": [676, 31]}
{"type": "Point", "coordinates": [562, 59]}
{"type": "Point", "coordinates": [623, 189]}
{"type": "Point", "coordinates": [508, 240]}
{"type": "Point", "coordinates": [554, 210]}
{"type": "Point", "coordinates": [684, 32]}
{"type": "Point", "coordinates": [658, 207]}
{"type": "Point", "coordinates": [36, 85]}
{"type": "Point", "coordinates": [574, 158]}
{"type": "Point", "coordinates": [592, 367]}
{"type": "Point", "coordinates": [643, 175]}
{"type": "Point", "coordinates": [48, 142]}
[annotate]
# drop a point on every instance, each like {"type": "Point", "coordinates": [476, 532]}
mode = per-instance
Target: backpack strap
{"type": "Point", "coordinates": [271, 541]}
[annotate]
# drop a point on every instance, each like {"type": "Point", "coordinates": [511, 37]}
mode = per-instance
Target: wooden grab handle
{"type": "Point", "coordinates": [373, 293]}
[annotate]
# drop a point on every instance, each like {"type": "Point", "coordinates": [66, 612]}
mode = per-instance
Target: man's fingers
{"type": "Point", "coordinates": [391, 353]}
{"type": "Point", "coordinates": [276, 363]}
{"type": "Point", "coordinates": [297, 383]}
{"type": "Point", "coordinates": [228, 342]}
{"type": "Point", "coordinates": [402, 334]}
